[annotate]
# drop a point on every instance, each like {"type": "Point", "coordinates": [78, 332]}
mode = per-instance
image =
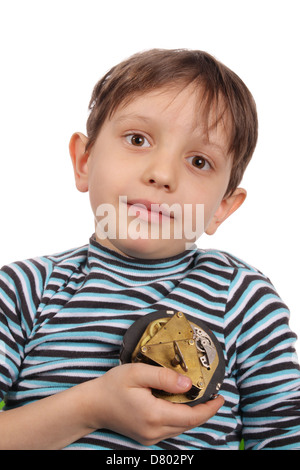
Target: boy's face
{"type": "Point", "coordinates": [154, 151]}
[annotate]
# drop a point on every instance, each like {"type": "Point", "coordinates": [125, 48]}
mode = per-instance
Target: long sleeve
{"type": "Point", "coordinates": [261, 354]}
{"type": "Point", "coordinates": [21, 287]}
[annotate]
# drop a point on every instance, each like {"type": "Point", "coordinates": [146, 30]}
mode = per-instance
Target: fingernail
{"type": "Point", "coordinates": [183, 382]}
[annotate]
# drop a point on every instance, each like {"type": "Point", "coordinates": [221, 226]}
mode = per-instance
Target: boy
{"type": "Point", "coordinates": [168, 130]}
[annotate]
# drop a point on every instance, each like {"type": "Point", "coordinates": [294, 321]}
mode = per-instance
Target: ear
{"type": "Point", "coordinates": [227, 207]}
{"type": "Point", "coordinates": [79, 159]}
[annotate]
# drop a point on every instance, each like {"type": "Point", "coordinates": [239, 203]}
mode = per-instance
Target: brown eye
{"type": "Point", "coordinates": [200, 162]}
{"type": "Point", "coordinates": [137, 140]}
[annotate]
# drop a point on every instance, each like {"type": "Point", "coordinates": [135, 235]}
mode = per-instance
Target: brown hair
{"type": "Point", "coordinates": [156, 68]}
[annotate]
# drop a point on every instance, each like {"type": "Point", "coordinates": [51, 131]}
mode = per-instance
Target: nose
{"type": "Point", "coordinates": [161, 172]}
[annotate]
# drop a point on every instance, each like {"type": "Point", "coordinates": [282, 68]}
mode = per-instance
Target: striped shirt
{"type": "Point", "coordinates": [63, 317]}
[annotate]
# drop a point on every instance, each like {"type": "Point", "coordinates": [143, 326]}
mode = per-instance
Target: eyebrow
{"type": "Point", "coordinates": [131, 117]}
{"type": "Point", "coordinates": [207, 141]}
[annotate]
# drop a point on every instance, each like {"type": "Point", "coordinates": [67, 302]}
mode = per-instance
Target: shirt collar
{"type": "Point", "coordinates": [105, 259]}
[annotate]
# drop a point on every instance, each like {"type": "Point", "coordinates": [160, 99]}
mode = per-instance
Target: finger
{"type": "Point", "coordinates": [160, 378]}
{"type": "Point", "coordinates": [186, 417]}
{"type": "Point", "coordinates": [181, 418]}
{"type": "Point", "coordinates": [205, 411]}
{"type": "Point", "coordinates": [175, 415]}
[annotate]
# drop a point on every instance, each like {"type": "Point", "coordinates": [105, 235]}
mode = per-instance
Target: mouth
{"type": "Point", "coordinates": [149, 211]}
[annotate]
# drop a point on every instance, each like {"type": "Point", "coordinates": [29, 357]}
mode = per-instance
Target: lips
{"type": "Point", "coordinates": [149, 210]}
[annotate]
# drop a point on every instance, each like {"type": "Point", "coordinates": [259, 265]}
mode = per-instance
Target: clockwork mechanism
{"type": "Point", "coordinates": [182, 343]}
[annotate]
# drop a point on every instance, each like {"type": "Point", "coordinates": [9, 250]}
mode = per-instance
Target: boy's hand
{"type": "Point", "coordinates": [121, 400]}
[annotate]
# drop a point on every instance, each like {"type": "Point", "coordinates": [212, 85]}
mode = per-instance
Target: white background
{"type": "Point", "coordinates": [53, 52]}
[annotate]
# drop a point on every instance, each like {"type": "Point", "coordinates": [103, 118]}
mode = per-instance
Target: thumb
{"type": "Point", "coordinates": [165, 379]}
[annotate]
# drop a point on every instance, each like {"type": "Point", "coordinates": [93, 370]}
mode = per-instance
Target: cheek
{"type": "Point", "coordinates": [96, 184]}
{"type": "Point", "coordinates": [209, 200]}
{"type": "Point", "coordinates": [106, 182]}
